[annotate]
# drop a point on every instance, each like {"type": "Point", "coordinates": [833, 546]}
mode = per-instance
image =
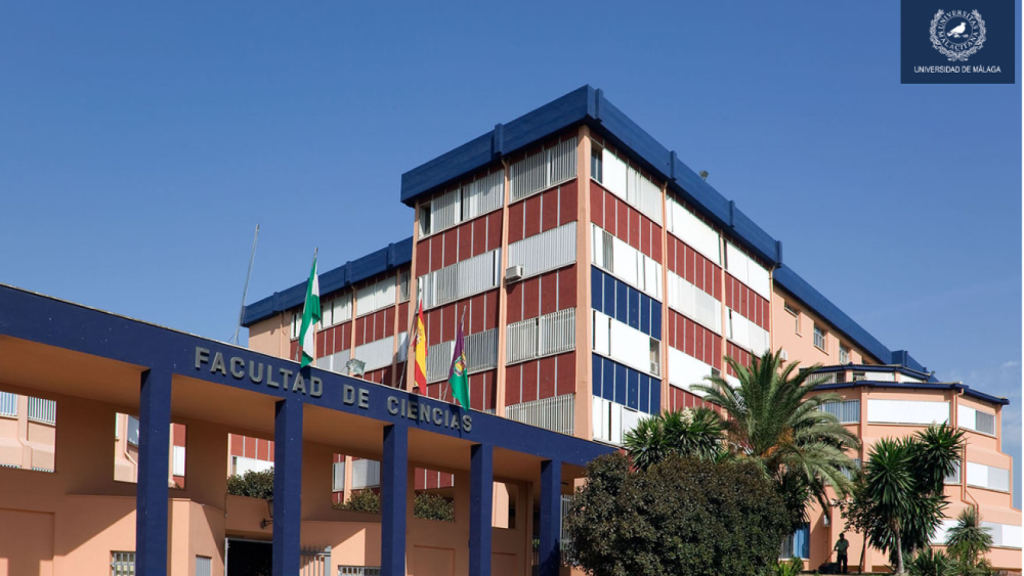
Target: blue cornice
{"type": "Point", "coordinates": [957, 386]}
{"type": "Point", "coordinates": [389, 258]}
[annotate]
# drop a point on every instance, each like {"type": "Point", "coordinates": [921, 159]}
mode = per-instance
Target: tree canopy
{"type": "Point", "coordinates": [679, 517]}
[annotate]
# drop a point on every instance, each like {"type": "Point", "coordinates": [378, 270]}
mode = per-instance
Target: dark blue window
{"type": "Point", "coordinates": [655, 404]}
{"type": "Point", "coordinates": [634, 308]}
{"type": "Point", "coordinates": [596, 289]}
{"type": "Point", "coordinates": [596, 378]}
{"type": "Point", "coordinates": [607, 379]}
{"type": "Point", "coordinates": [609, 295]}
{"type": "Point", "coordinates": [645, 393]}
{"type": "Point", "coordinates": [645, 315]}
{"type": "Point", "coordinates": [633, 392]}
{"type": "Point", "coordinates": [620, 384]}
{"type": "Point", "coordinates": [656, 320]}
{"type": "Point", "coordinates": [621, 301]}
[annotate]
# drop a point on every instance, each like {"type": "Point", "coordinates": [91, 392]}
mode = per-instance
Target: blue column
{"type": "Point", "coordinates": [151, 490]}
{"type": "Point", "coordinates": [287, 487]}
{"type": "Point", "coordinates": [550, 517]}
{"type": "Point", "coordinates": [393, 492]}
{"type": "Point", "coordinates": [481, 500]}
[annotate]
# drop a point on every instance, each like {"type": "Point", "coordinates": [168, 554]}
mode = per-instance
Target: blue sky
{"type": "Point", "coordinates": [140, 144]}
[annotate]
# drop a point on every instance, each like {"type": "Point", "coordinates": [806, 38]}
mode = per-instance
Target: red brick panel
{"type": "Point", "coordinates": [566, 374]}
{"type": "Point", "coordinates": [532, 216]}
{"type": "Point", "coordinates": [692, 338]}
{"type": "Point", "coordinates": [679, 399]}
{"type": "Point", "coordinates": [493, 231]}
{"type": "Point", "coordinates": [549, 207]}
{"type": "Point", "coordinates": [686, 262]}
{"type": "Point", "coordinates": [738, 354]}
{"type": "Point", "coordinates": [567, 288]}
{"type": "Point", "coordinates": [515, 221]}
{"type": "Point", "coordinates": [748, 303]}
{"type": "Point", "coordinates": [568, 196]}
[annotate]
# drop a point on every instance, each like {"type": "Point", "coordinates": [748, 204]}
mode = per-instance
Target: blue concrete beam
{"type": "Point", "coordinates": [549, 551]}
{"type": "Point", "coordinates": [481, 493]}
{"type": "Point", "coordinates": [151, 490]}
{"type": "Point", "coordinates": [394, 489]}
{"type": "Point", "coordinates": [287, 487]}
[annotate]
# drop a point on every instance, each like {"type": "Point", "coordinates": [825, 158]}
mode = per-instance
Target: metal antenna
{"type": "Point", "coordinates": [245, 289]}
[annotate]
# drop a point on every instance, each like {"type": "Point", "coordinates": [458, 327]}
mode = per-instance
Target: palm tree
{"type": "Point", "coordinates": [890, 487]}
{"type": "Point", "coordinates": [775, 418]}
{"type": "Point", "coordinates": [903, 489]}
{"type": "Point", "coordinates": [690, 433]}
{"type": "Point", "coordinates": [968, 540]}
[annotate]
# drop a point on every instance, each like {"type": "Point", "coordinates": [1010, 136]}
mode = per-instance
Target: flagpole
{"type": "Point", "coordinates": [462, 321]}
{"type": "Point", "coordinates": [409, 336]}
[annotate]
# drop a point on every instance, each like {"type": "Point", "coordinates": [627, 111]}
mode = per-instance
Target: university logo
{"type": "Point", "coordinates": [957, 34]}
{"type": "Point", "coordinates": [959, 47]}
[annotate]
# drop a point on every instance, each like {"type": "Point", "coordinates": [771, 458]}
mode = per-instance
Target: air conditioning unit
{"type": "Point", "coordinates": [784, 355]}
{"type": "Point", "coordinates": [514, 273]}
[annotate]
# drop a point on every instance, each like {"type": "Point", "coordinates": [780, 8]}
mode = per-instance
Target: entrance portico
{"type": "Point", "coordinates": [54, 348]}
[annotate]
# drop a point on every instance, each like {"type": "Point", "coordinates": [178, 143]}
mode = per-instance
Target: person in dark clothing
{"type": "Point", "coordinates": [842, 545]}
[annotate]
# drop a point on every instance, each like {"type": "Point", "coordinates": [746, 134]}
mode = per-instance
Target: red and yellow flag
{"type": "Point", "coordinates": [421, 351]}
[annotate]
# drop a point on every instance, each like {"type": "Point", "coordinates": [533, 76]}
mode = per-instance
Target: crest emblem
{"type": "Point", "coordinates": [957, 34]}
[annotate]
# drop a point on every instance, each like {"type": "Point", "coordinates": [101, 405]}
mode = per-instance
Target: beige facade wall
{"type": "Point", "coordinates": [795, 334]}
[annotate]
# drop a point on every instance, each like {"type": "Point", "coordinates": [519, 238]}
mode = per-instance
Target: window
{"type": "Point", "coordinates": [556, 413]}
{"type": "Point", "coordinates": [819, 338]}
{"type": "Point", "coordinates": [425, 224]}
{"type": "Point", "coordinates": [296, 324]}
{"type": "Point", "coordinates": [365, 474]}
{"type": "Point", "coordinates": [846, 411]}
{"type": "Point", "coordinates": [976, 420]}
{"type": "Point", "coordinates": [545, 251]}
{"type": "Point", "coordinates": [462, 279]}
{"type": "Point", "coordinates": [655, 357]}
{"type": "Point", "coordinates": [907, 411]}
{"type": "Point", "coordinates": [844, 354]}
{"type": "Point", "coordinates": [796, 316]}
{"type": "Point", "coordinates": [694, 303]}
{"type": "Point", "coordinates": [859, 376]}
{"type": "Point", "coordinates": [122, 564]}
{"type": "Point", "coordinates": [358, 570]}
{"type": "Point", "coordinates": [797, 544]}
{"type": "Point", "coordinates": [338, 477]}
{"type": "Point", "coordinates": [403, 286]}
{"type": "Point", "coordinates": [552, 333]}
{"type": "Point", "coordinates": [8, 405]}
{"type": "Point", "coordinates": [988, 477]}
{"type": "Point", "coordinates": [542, 170]}
{"type": "Point", "coordinates": [626, 263]}
{"type": "Point", "coordinates": [686, 226]}
{"type": "Point", "coordinates": [178, 469]}
{"type": "Point", "coordinates": [203, 565]}
{"type": "Point", "coordinates": [618, 177]}
{"type": "Point", "coordinates": [954, 477]}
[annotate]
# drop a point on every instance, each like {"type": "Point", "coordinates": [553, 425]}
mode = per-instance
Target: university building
{"type": "Point", "coordinates": [597, 279]}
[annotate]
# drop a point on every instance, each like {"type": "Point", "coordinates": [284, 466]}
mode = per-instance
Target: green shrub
{"type": "Point", "coordinates": [253, 484]}
{"type": "Point", "coordinates": [792, 567]}
{"type": "Point", "coordinates": [683, 517]}
{"type": "Point", "coordinates": [930, 563]}
{"type": "Point", "coordinates": [361, 501]}
{"type": "Point", "coordinates": [431, 507]}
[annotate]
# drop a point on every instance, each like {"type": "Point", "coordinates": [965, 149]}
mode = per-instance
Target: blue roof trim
{"type": "Point", "coordinates": [877, 368]}
{"type": "Point", "coordinates": [589, 105]}
{"type": "Point", "coordinates": [967, 390]}
{"type": "Point", "coordinates": [797, 286]}
{"type": "Point", "coordinates": [505, 138]}
{"type": "Point", "coordinates": [393, 256]}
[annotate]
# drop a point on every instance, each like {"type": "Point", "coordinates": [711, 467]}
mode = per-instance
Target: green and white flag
{"type": "Point", "coordinates": [310, 316]}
